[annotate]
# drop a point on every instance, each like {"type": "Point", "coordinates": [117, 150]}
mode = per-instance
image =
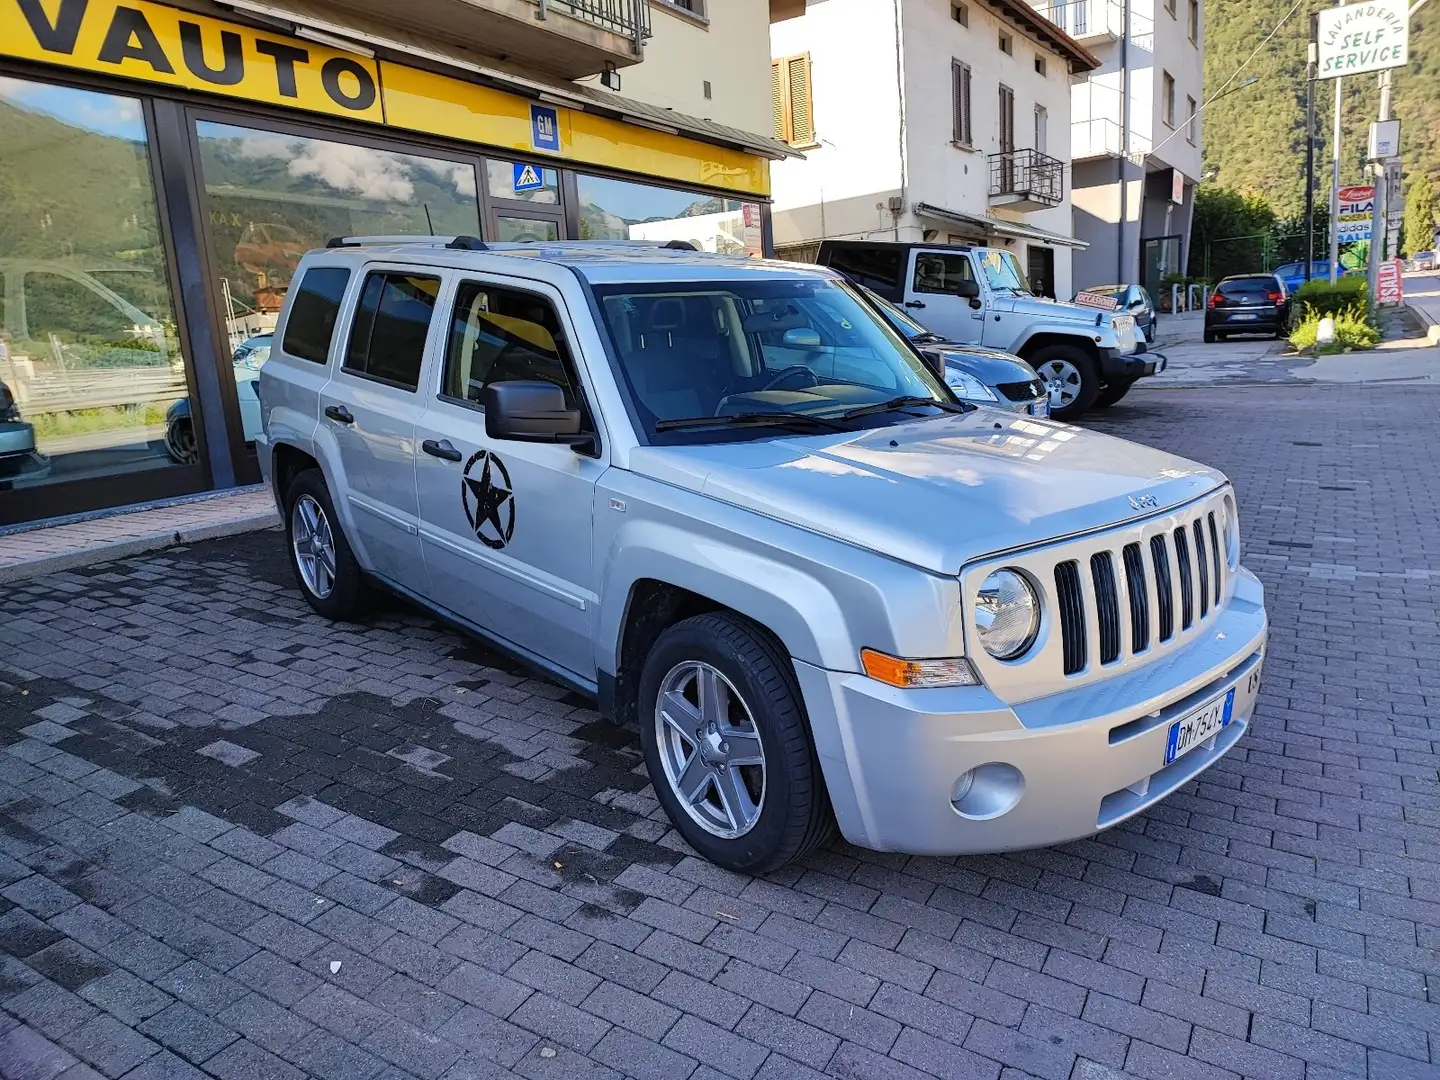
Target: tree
{"type": "Point", "coordinates": [1421, 215]}
{"type": "Point", "coordinates": [1243, 222]}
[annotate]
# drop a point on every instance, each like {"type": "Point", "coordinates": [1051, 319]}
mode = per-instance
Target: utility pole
{"type": "Point", "coordinates": [1312, 59]}
{"type": "Point", "coordinates": [1378, 222]}
{"type": "Point", "coordinates": [1335, 137]}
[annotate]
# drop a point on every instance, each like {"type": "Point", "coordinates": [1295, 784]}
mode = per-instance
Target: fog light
{"type": "Point", "coordinates": [987, 791]}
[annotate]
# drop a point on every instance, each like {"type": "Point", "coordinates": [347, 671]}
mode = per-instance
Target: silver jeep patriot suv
{"type": "Point", "coordinates": [729, 502]}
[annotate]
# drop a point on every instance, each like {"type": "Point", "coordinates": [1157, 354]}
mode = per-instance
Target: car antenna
{"type": "Point", "coordinates": [430, 225]}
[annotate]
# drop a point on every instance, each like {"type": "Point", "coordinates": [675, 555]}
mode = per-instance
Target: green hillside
{"type": "Point", "coordinates": [1255, 137]}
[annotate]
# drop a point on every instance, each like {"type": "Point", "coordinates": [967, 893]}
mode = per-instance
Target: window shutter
{"type": "Point", "coordinates": [802, 122]}
{"type": "Point", "coordinates": [778, 104]}
{"type": "Point", "coordinates": [960, 101]}
{"type": "Point", "coordinates": [969, 130]}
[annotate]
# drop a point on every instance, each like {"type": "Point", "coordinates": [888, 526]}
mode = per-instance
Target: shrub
{"type": "Point", "coordinates": [1353, 330]}
{"type": "Point", "coordinates": [1322, 298]}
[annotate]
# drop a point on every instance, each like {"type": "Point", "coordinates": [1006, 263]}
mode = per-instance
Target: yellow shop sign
{"type": "Point", "coordinates": [140, 40]}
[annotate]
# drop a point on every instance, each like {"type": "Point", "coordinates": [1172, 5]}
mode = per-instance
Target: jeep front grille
{"type": "Point", "coordinates": [1136, 591]}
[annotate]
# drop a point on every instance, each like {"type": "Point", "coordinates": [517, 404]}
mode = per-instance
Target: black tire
{"type": "Point", "coordinates": [1085, 368]}
{"type": "Point", "coordinates": [1209, 337]}
{"type": "Point", "coordinates": [795, 814]}
{"type": "Point", "coordinates": [349, 595]}
{"type": "Point", "coordinates": [1113, 392]}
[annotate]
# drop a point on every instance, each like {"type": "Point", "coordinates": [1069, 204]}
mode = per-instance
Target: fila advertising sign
{"type": "Point", "coordinates": [1369, 36]}
{"type": "Point", "coordinates": [1357, 206]}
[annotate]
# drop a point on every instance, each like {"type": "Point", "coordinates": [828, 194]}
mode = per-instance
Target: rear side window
{"type": "Point", "coordinates": [387, 342]}
{"type": "Point", "coordinates": [1248, 285]}
{"type": "Point", "coordinates": [880, 268]}
{"type": "Point", "coordinates": [314, 308]}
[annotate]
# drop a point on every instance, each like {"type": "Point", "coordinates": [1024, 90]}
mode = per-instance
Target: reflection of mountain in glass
{"type": "Point", "coordinates": [273, 197]}
{"type": "Point", "coordinates": [597, 223]}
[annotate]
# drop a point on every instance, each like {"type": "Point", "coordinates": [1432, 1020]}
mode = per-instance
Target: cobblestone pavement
{"type": "Point", "coordinates": [240, 842]}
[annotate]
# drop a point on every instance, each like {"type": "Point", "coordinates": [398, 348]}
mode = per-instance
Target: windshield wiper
{"type": "Point", "coordinates": [752, 419]}
{"type": "Point", "coordinates": [927, 339]}
{"type": "Point", "coordinates": [907, 402]}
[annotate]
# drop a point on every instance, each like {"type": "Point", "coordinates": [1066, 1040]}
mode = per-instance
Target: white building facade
{"type": "Point", "coordinates": [1136, 136]}
{"type": "Point", "coordinates": [927, 121]}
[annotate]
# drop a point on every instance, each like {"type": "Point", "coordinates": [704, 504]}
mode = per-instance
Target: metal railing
{"type": "Point", "coordinates": [628, 17]}
{"type": "Point", "coordinates": [1083, 18]}
{"type": "Point", "coordinates": [1029, 174]}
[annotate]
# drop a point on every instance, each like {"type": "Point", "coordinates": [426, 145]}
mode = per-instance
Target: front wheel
{"type": "Point", "coordinates": [325, 567]}
{"type": "Point", "coordinates": [1071, 378]}
{"type": "Point", "coordinates": [728, 747]}
{"type": "Point", "coordinates": [1112, 392]}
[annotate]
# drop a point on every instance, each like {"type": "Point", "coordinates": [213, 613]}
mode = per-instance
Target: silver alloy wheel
{"type": "Point", "coordinates": [710, 749]}
{"type": "Point", "coordinates": [314, 546]}
{"type": "Point", "coordinates": [1062, 381]}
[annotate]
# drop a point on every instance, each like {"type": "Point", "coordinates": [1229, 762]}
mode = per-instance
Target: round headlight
{"type": "Point", "coordinates": [1007, 614]}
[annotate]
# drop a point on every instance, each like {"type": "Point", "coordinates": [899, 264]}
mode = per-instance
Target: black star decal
{"type": "Point", "coordinates": [489, 502]}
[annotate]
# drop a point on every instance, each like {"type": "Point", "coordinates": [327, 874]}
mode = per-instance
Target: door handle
{"type": "Point", "coordinates": [441, 449]}
{"type": "Point", "coordinates": [340, 414]}
{"type": "Point", "coordinates": [914, 303]}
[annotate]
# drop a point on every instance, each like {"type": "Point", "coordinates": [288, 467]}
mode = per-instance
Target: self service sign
{"type": "Point", "coordinates": [1363, 37]}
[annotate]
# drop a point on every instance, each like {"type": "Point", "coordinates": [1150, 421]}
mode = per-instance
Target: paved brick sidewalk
{"type": "Point", "coordinates": [48, 549]}
{"type": "Point", "coordinates": [237, 841]}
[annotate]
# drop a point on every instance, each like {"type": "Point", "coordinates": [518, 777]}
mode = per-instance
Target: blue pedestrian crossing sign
{"type": "Point", "coordinates": [528, 177]}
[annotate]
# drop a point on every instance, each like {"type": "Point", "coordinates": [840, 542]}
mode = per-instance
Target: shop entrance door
{"type": "Point", "coordinates": [525, 226]}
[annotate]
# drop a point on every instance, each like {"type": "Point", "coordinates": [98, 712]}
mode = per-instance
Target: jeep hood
{"type": "Point", "coordinates": [939, 492]}
{"type": "Point", "coordinates": [1050, 310]}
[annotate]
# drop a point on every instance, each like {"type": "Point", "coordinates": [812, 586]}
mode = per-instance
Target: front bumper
{"type": "Point", "coordinates": [1085, 759]}
{"type": "Point", "coordinates": [1114, 365]}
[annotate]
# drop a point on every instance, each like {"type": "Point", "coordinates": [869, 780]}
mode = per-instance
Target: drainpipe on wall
{"type": "Point", "coordinates": [900, 91]}
{"type": "Point", "coordinates": [1120, 278]}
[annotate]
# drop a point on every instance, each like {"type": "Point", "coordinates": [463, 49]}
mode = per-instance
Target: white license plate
{"type": "Point", "coordinates": [1238, 318]}
{"type": "Point", "coordinates": [1204, 723]}
{"type": "Point", "coordinates": [1040, 408]}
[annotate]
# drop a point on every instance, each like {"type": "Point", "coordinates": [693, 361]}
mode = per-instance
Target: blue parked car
{"type": "Point", "coordinates": [1293, 274]}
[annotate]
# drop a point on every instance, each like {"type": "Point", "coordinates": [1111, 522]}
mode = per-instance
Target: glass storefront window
{"type": "Point", "coordinates": [524, 183]}
{"type": "Point", "coordinates": [532, 230]}
{"type": "Point", "coordinates": [272, 196]}
{"type": "Point", "coordinates": [620, 210]}
{"type": "Point", "coordinates": [90, 363]}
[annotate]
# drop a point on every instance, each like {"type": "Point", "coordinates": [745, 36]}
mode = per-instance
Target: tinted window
{"type": "Point", "coordinates": [878, 268]}
{"type": "Point", "coordinates": [940, 273]}
{"type": "Point", "coordinates": [500, 335]}
{"type": "Point", "coordinates": [1247, 285]}
{"type": "Point", "coordinates": [391, 320]}
{"type": "Point", "coordinates": [313, 311]}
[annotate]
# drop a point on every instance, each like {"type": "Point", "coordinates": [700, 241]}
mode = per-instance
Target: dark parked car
{"type": "Point", "coordinates": [1132, 300]}
{"type": "Point", "coordinates": [983, 376]}
{"type": "Point", "coordinates": [19, 459]}
{"type": "Point", "coordinates": [1248, 304]}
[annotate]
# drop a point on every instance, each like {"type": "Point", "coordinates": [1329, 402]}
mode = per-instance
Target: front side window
{"type": "Point", "coordinates": [800, 348]}
{"type": "Point", "coordinates": [503, 335]}
{"type": "Point", "coordinates": [392, 318]}
{"type": "Point", "coordinates": [313, 311]}
{"type": "Point", "coordinates": [938, 272]}
{"type": "Point", "coordinates": [1002, 272]}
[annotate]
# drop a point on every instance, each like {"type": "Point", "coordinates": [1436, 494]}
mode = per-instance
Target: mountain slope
{"type": "Point", "coordinates": [1255, 137]}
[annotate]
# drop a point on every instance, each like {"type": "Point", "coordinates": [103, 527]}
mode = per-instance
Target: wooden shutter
{"type": "Point", "coordinates": [790, 99]}
{"type": "Point", "coordinates": [960, 101]}
{"type": "Point", "coordinates": [1007, 119]}
{"type": "Point", "coordinates": [802, 121]}
{"type": "Point", "coordinates": [777, 101]}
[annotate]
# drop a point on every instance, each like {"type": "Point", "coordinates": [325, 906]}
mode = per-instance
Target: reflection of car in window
{"type": "Point", "coordinates": [249, 357]}
{"type": "Point", "coordinates": [18, 457]}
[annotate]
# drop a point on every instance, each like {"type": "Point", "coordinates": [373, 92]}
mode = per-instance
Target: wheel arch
{"type": "Point", "coordinates": [1045, 338]}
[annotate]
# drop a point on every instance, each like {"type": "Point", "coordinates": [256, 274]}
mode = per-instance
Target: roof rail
{"type": "Point", "coordinates": [462, 243]}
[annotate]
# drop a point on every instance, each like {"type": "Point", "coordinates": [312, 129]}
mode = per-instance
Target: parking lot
{"type": "Point", "coordinates": [238, 841]}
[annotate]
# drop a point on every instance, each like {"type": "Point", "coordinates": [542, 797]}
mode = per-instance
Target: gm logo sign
{"type": "Point", "coordinates": [544, 128]}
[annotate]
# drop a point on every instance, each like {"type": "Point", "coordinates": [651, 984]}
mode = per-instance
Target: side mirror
{"type": "Point", "coordinates": [968, 289]}
{"type": "Point", "coordinates": [800, 337]}
{"type": "Point", "coordinates": [1137, 305]}
{"type": "Point", "coordinates": [526, 411]}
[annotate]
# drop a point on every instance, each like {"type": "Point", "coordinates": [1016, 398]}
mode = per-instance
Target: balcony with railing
{"type": "Point", "coordinates": [568, 38]}
{"type": "Point", "coordinates": [1095, 138]}
{"type": "Point", "coordinates": [1026, 180]}
{"type": "Point", "coordinates": [1087, 21]}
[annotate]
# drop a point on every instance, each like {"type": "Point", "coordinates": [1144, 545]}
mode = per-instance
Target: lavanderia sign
{"type": "Point", "coordinates": [1363, 37]}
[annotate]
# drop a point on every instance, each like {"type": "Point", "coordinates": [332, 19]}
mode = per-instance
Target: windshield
{"type": "Point", "coordinates": [785, 346]}
{"type": "Point", "coordinates": [1002, 272]}
{"type": "Point", "coordinates": [896, 316]}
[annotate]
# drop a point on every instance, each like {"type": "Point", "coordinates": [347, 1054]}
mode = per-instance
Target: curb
{"type": "Point", "coordinates": [136, 545]}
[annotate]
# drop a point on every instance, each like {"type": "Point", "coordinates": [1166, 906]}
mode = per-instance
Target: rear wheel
{"type": "Point", "coordinates": [325, 567]}
{"type": "Point", "coordinates": [728, 746]}
{"type": "Point", "coordinates": [1112, 392]}
{"type": "Point", "coordinates": [180, 442]}
{"type": "Point", "coordinates": [1070, 377]}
